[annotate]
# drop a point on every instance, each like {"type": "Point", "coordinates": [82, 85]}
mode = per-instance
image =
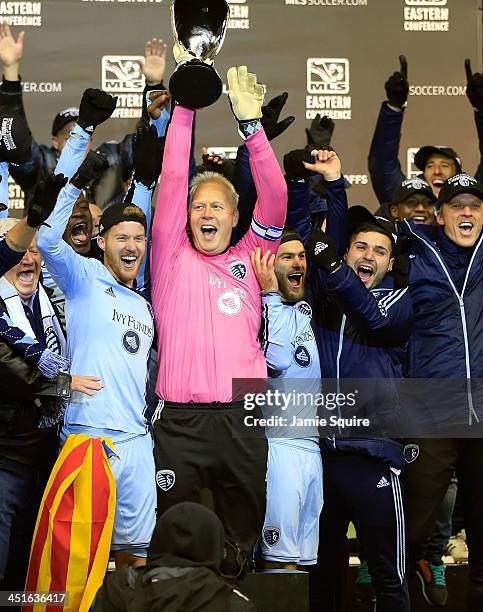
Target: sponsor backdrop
{"type": "Point", "coordinates": [332, 56]}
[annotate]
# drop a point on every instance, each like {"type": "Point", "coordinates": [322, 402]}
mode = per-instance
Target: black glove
{"type": "Point", "coordinates": [93, 166]}
{"type": "Point", "coordinates": [397, 86]}
{"type": "Point", "coordinates": [474, 86]}
{"type": "Point", "coordinates": [147, 152]}
{"type": "Point", "coordinates": [321, 252]}
{"type": "Point", "coordinates": [44, 199]}
{"type": "Point", "coordinates": [320, 133]}
{"type": "Point", "coordinates": [96, 107]}
{"type": "Point", "coordinates": [271, 114]}
{"type": "Point", "coordinates": [293, 166]}
{"type": "Point", "coordinates": [226, 168]}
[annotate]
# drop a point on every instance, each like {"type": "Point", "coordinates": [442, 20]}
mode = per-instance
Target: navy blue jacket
{"type": "Point", "coordinates": [361, 334]}
{"type": "Point", "coordinates": [384, 166]}
{"type": "Point", "coordinates": [447, 340]}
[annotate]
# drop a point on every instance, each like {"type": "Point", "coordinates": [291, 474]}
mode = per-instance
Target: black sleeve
{"type": "Point", "coordinates": [26, 380]}
{"type": "Point", "coordinates": [479, 129]}
{"type": "Point", "coordinates": [116, 591]}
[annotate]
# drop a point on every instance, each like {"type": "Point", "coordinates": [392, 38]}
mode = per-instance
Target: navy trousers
{"type": "Point", "coordinates": [368, 493]}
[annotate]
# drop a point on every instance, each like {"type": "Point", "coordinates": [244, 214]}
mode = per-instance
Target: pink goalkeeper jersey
{"type": "Point", "coordinates": [208, 309]}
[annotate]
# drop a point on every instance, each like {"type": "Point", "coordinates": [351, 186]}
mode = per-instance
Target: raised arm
{"type": "Point", "coordinates": [299, 192]}
{"type": "Point", "coordinates": [11, 51]}
{"type": "Point", "coordinates": [65, 265]}
{"type": "Point", "coordinates": [474, 91]}
{"type": "Point", "coordinates": [274, 334]}
{"type": "Point", "coordinates": [246, 97]}
{"type": "Point", "coordinates": [147, 157]}
{"type": "Point", "coordinates": [391, 317]}
{"type": "Point", "coordinates": [328, 165]}
{"type": "Point", "coordinates": [169, 225]}
{"type": "Point", "coordinates": [384, 166]}
{"type": "Point", "coordinates": [96, 107]}
{"type": "Point", "coordinates": [242, 176]}
{"type": "Point", "coordinates": [18, 239]}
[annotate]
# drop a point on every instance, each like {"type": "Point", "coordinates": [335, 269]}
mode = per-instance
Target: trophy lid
{"type": "Point", "coordinates": [200, 25]}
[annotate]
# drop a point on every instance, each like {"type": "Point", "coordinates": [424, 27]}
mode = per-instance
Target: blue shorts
{"type": "Point", "coordinates": [294, 503]}
{"type": "Point", "coordinates": [133, 469]}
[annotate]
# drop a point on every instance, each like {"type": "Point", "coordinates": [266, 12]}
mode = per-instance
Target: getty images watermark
{"type": "Point", "coordinates": [300, 409]}
{"type": "Point", "coordinates": [394, 408]}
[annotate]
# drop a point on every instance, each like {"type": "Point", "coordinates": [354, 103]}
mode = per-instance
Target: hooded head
{"type": "Point", "coordinates": [188, 535]}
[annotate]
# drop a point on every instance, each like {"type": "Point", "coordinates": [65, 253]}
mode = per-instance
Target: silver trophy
{"type": "Point", "coordinates": [199, 28]}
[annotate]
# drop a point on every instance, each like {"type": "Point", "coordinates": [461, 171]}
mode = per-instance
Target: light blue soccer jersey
{"type": "Point", "coordinates": [293, 363]}
{"type": "Point", "coordinates": [110, 327]}
{"type": "Point", "coordinates": [294, 476]}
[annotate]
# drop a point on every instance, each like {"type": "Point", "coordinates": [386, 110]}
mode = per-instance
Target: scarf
{"type": "Point", "coordinates": [16, 330]}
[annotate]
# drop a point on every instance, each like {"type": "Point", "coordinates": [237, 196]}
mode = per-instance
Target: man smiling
{"type": "Point", "coordinates": [413, 199]}
{"type": "Point", "coordinates": [207, 307]}
{"type": "Point", "coordinates": [110, 332]}
{"type": "Point", "coordinates": [370, 253]}
{"type": "Point", "coordinates": [446, 285]}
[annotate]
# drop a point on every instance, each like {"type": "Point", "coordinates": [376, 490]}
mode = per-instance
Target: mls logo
{"type": "Point", "coordinates": [329, 76]}
{"type": "Point", "coordinates": [238, 269]}
{"type": "Point", "coordinates": [426, 2]}
{"type": "Point", "coordinates": [271, 535]}
{"type": "Point", "coordinates": [122, 73]}
{"type": "Point", "coordinates": [165, 479]}
{"type": "Point", "coordinates": [411, 452]}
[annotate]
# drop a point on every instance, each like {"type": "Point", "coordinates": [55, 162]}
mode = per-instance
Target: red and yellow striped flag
{"type": "Point", "coordinates": [72, 538]}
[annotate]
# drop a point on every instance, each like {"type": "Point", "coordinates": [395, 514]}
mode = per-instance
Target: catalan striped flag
{"type": "Point", "coordinates": [72, 538]}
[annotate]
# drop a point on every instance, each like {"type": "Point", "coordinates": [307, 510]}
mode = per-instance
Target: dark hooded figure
{"type": "Point", "coordinates": [182, 571]}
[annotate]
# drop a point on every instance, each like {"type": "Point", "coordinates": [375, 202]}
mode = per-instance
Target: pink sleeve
{"type": "Point", "coordinates": [271, 207]}
{"type": "Point", "coordinates": [169, 224]}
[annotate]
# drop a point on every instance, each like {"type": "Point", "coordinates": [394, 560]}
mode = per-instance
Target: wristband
{"type": "Point", "coordinates": [249, 127]}
{"type": "Point", "coordinates": [267, 293]}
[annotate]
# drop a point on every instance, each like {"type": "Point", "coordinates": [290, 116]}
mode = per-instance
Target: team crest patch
{"type": "Point", "coordinates": [229, 303]}
{"type": "Point", "coordinates": [51, 340]}
{"type": "Point", "coordinates": [238, 269]}
{"type": "Point", "coordinates": [302, 356]}
{"type": "Point", "coordinates": [411, 452]}
{"type": "Point", "coordinates": [304, 308]}
{"type": "Point", "coordinates": [271, 535]}
{"type": "Point", "coordinates": [131, 342]}
{"type": "Point", "coordinates": [165, 479]}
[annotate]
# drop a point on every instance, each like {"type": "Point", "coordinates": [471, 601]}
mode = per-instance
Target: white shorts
{"type": "Point", "coordinates": [294, 503]}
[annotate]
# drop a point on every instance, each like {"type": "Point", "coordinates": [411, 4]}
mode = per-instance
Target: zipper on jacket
{"type": "Point", "coordinates": [462, 314]}
{"type": "Point", "coordinates": [339, 352]}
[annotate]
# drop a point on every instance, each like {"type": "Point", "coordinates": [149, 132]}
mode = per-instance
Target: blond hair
{"type": "Point", "coordinates": [213, 177]}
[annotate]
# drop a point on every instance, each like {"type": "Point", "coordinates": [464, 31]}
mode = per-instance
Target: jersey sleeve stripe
{"type": "Point", "coordinates": [267, 233]}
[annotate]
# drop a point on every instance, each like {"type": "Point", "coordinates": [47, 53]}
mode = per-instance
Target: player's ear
{"type": "Point", "coordinates": [101, 242]}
